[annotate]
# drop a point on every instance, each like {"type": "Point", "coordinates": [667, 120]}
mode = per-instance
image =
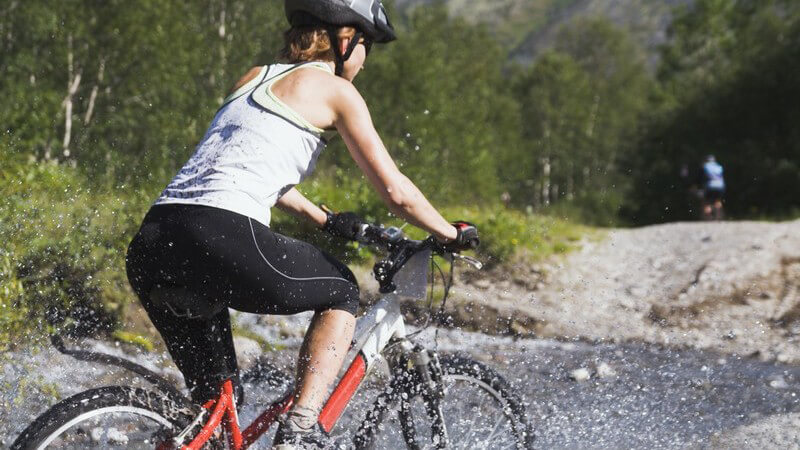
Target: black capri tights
{"type": "Point", "coordinates": [188, 264]}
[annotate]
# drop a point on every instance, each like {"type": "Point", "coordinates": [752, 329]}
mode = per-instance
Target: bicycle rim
{"type": "Point", "coordinates": [112, 427]}
{"type": "Point", "coordinates": [475, 414]}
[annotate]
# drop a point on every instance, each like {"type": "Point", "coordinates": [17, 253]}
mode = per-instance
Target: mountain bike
{"type": "Point", "coordinates": [430, 400]}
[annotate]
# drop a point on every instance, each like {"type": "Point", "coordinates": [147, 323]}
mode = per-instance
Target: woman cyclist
{"type": "Point", "coordinates": [205, 245]}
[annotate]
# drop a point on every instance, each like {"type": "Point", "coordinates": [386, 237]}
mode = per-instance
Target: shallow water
{"type": "Point", "coordinates": [648, 396]}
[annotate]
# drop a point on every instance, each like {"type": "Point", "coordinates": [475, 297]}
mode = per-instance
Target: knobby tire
{"type": "Point", "coordinates": [168, 413]}
{"type": "Point", "coordinates": [416, 413]}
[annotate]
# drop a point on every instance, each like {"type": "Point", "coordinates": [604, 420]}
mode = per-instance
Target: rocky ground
{"type": "Point", "coordinates": [732, 287]}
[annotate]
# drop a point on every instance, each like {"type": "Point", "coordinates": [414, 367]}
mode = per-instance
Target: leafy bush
{"type": "Point", "coordinates": [63, 251]}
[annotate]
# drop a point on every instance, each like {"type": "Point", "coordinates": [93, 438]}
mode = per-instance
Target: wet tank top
{"type": "Point", "coordinates": [255, 150]}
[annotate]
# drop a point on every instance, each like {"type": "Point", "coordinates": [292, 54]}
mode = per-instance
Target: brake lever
{"type": "Point", "coordinates": [468, 259]}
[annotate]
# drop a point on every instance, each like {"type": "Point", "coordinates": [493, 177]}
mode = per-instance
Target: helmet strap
{"type": "Point", "coordinates": [339, 58]}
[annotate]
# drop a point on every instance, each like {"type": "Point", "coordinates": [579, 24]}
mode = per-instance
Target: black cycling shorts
{"type": "Point", "coordinates": [209, 259]}
{"type": "Point", "coordinates": [713, 195]}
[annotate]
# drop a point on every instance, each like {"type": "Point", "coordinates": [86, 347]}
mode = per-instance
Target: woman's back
{"type": "Point", "coordinates": [256, 148]}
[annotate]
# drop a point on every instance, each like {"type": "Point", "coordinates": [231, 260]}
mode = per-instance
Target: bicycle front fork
{"type": "Point", "coordinates": [432, 389]}
{"type": "Point", "coordinates": [416, 372]}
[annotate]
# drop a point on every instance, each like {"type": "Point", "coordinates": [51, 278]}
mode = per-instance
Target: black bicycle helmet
{"type": "Point", "coordinates": [367, 16]}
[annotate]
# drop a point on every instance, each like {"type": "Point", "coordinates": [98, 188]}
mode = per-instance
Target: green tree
{"type": "Point", "coordinates": [737, 102]}
{"type": "Point", "coordinates": [119, 87]}
{"type": "Point", "coordinates": [582, 107]}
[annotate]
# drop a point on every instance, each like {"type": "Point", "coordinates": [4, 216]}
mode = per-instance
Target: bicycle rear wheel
{"type": "Point", "coordinates": [112, 417]}
{"type": "Point", "coordinates": [480, 410]}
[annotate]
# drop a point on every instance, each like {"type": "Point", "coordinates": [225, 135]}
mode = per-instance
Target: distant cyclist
{"type": "Point", "coordinates": [712, 183]}
{"type": "Point", "coordinates": [205, 245]}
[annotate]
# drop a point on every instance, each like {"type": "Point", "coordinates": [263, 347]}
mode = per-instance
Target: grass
{"type": "Point", "coordinates": [265, 345]}
{"type": "Point", "coordinates": [138, 340]}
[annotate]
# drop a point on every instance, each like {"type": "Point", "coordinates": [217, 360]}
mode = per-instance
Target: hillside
{"type": "Point", "coordinates": [529, 26]}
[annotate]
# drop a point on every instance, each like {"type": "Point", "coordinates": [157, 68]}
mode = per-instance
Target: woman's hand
{"type": "Point", "coordinates": [344, 224]}
{"type": "Point", "coordinates": [466, 238]}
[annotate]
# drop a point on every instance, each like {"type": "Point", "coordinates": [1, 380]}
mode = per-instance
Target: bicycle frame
{"type": "Point", "coordinates": [383, 323]}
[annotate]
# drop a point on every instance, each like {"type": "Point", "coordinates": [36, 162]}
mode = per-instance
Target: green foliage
{"type": "Point", "coordinates": [506, 232]}
{"type": "Point", "coordinates": [138, 340]}
{"type": "Point", "coordinates": [63, 252]}
{"type": "Point", "coordinates": [147, 75]}
{"type": "Point", "coordinates": [265, 345]}
{"type": "Point", "coordinates": [438, 98]}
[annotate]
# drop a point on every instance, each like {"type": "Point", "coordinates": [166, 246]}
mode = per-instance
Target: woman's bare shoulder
{"type": "Point", "coordinates": [325, 84]}
{"type": "Point", "coordinates": [252, 73]}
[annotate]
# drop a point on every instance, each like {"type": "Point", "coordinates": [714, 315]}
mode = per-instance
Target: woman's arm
{"type": "Point", "coordinates": [296, 204]}
{"type": "Point", "coordinates": [354, 124]}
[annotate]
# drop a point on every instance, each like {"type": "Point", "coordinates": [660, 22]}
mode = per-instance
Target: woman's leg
{"type": "Point", "coordinates": [250, 268]}
{"type": "Point", "coordinates": [324, 348]}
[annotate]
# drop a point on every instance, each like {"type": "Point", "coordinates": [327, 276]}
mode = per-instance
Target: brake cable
{"type": "Point", "coordinates": [448, 283]}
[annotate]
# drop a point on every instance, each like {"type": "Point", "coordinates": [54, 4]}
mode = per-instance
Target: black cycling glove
{"type": "Point", "coordinates": [466, 238]}
{"type": "Point", "coordinates": [345, 224]}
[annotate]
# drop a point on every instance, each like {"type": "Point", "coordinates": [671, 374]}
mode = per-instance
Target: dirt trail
{"type": "Point", "coordinates": [732, 287]}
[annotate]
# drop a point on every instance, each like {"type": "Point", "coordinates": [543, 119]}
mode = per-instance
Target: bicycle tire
{"type": "Point", "coordinates": [405, 396]}
{"type": "Point", "coordinates": [65, 424]}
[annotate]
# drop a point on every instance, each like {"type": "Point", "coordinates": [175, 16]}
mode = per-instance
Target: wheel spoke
{"type": "Point", "coordinates": [479, 410]}
{"type": "Point", "coordinates": [494, 430]}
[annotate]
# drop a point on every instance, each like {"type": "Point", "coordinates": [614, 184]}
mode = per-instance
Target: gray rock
{"type": "Point", "coordinates": [247, 351]}
{"type": "Point", "coordinates": [581, 374]}
{"type": "Point", "coordinates": [605, 371]}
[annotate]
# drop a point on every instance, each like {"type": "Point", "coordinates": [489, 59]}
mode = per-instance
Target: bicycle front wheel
{"type": "Point", "coordinates": [112, 417]}
{"type": "Point", "coordinates": [480, 410]}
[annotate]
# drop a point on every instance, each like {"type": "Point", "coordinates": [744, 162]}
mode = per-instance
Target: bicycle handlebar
{"type": "Point", "coordinates": [400, 249]}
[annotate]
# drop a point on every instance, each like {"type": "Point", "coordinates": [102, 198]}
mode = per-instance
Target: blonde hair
{"type": "Point", "coordinates": [311, 43]}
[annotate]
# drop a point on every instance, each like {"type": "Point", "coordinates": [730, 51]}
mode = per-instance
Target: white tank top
{"type": "Point", "coordinates": [255, 150]}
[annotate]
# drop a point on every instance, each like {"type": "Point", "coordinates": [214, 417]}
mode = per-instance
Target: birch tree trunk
{"type": "Point", "coordinates": [73, 82]}
{"type": "Point", "coordinates": [93, 96]}
{"type": "Point", "coordinates": [546, 181]}
{"type": "Point", "coordinates": [223, 56]}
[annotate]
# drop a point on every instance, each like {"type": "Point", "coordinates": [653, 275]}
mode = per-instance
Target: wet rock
{"type": "Point", "coordinates": [482, 283]}
{"type": "Point", "coordinates": [97, 434]}
{"type": "Point", "coordinates": [519, 329]}
{"type": "Point", "coordinates": [778, 382]}
{"type": "Point", "coordinates": [581, 374]}
{"type": "Point", "coordinates": [247, 351]}
{"type": "Point", "coordinates": [605, 371]}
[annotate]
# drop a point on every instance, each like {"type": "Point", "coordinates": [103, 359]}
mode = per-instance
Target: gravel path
{"type": "Point", "coordinates": [732, 287]}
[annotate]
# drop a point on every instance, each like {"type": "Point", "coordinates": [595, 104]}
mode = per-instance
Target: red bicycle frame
{"type": "Point", "coordinates": [374, 330]}
{"type": "Point", "coordinates": [224, 408]}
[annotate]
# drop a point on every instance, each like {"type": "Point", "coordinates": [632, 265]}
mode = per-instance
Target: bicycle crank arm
{"type": "Point", "coordinates": [178, 440]}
